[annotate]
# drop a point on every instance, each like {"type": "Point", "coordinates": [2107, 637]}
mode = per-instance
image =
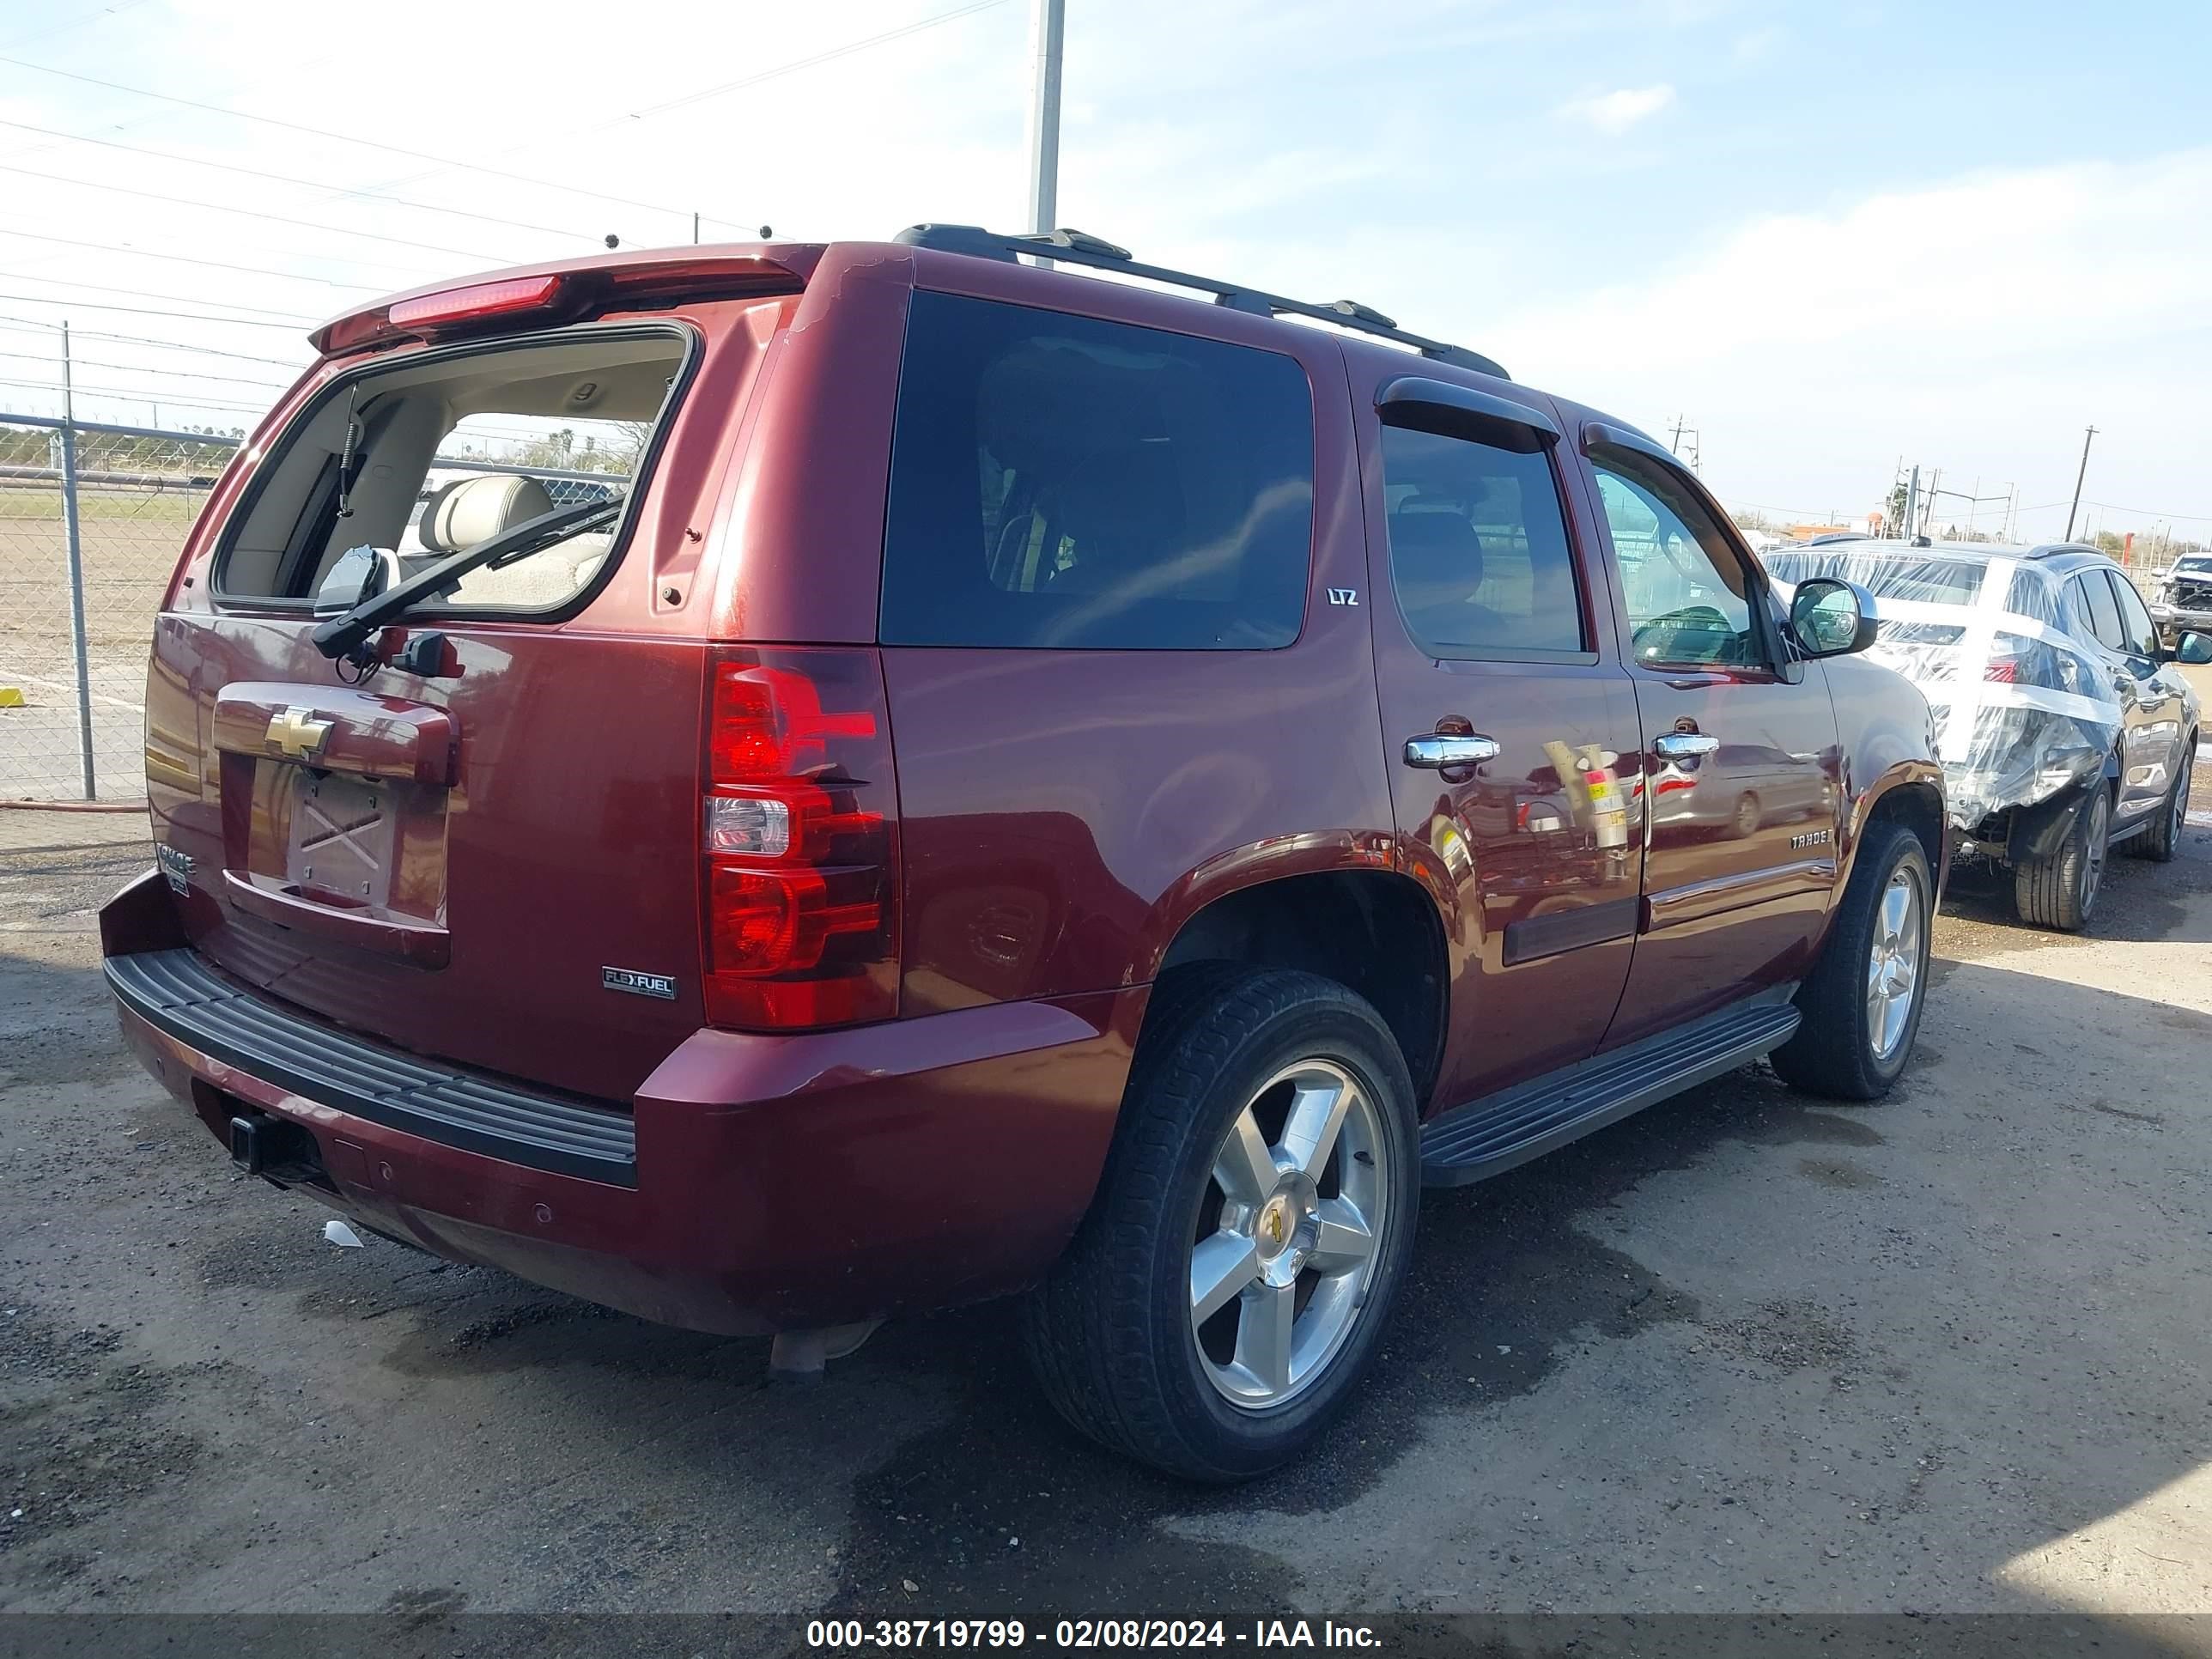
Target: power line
{"type": "Point", "coordinates": [2152, 512]}
{"type": "Point", "coordinates": [127, 395]}
{"type": "Point", "coordinates": [255, 213]}
{"type": "Point", "coordinates": [184, 259]}
{"type": "Point", "coordinates": [754, 79]}
{"type": "Point", "coordinates": [287, 72]}
{"type": "Point", "coordinates": [338, 137]}
{"type": "Point", "coordinates": [304, 183]}
{"type": "Point", "coordinates": [288, 322]}
{"type": "Point", "coordinates": [26, 323]}
{"type": "Point", "coordinates": [136, 369]}
{"type": "Point", "coordinates": [796, 64]}
{"type": "Point", "coordinates": [93, 17]}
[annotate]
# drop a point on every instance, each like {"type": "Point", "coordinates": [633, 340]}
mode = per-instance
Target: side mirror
{"type": "Point", "coordinates": [1831, 618]}
{"type": "Point", "coordinates": [358, 575]}
{"type": "Point", "coordinates": [2195, 649]}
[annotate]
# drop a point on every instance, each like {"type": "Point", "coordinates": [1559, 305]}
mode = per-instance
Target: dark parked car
{"type": "Point", "coordinates": [1038, 785]}
{"type": "Point", "coordinates": [2062, 732]}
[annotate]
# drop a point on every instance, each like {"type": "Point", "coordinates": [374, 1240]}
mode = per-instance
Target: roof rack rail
{"type": "Point", "coordinates": [2044, 550]}
{"type": "Point", "coordinates": [1075, 247]}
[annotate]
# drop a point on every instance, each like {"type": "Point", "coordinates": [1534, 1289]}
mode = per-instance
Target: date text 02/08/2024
{"type": "Point", "coordinates": [1084, 1633]}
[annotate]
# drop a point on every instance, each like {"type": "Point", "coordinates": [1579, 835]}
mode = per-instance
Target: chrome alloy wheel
{"type": "Point", "coordinates": [1893, 963]}
{"type": "Point", "coordinates": [2092, 855]}
{"type": "Point", "coordinates": [1287, 1234]}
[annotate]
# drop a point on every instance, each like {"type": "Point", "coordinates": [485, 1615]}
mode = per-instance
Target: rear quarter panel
{"type": "Point", "coordinates": [1064, 812]}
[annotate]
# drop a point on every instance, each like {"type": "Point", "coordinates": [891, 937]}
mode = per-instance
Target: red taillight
{"type": "Point", "coordinates": [464, 305]}
{"type": "Point", "coordinates": [618, 282]}
{"type": "Point", "coordinates": [797, 820]}
{"type": "Point", "coordinates": [769, 724]}
{"type": "Point", "coordinates": [428, 315]}
{"type": "Point", "coordinates": [2005, 670]}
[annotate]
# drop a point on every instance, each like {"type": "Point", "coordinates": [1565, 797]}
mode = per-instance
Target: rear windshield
{"type": "Point", "coordinates": [1061, 481]}
{"type": "Point", "coordinates": [1898, 575]}
{"type": "Point", "coordinates": [440, 453]}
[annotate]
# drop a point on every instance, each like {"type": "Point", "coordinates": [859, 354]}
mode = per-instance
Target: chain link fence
{"type": "Point", "coordinates": [92, 520]}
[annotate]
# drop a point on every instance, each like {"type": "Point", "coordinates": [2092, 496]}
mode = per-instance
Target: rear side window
{"type": "Point", "coordinates": [1061, 481]}
{"type": "Point", "coordinates": [1479, 553]}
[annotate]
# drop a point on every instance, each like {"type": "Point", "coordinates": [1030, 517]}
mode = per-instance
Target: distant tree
{"type": "Point", "coordinates": [616, 448]}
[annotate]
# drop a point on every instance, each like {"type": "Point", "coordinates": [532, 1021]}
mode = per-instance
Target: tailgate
{"type": "Point", "coordinates": [486, 851]}
{"type": "Point", "coordinates": [453, 867]}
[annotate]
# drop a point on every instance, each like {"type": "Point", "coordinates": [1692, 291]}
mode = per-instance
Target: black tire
{"type": "Point", "coordinates": [2162, 840]}
{"type": "Point", "coordinates": [1834, 1052]}
{"type": "Point", "coordinates": [2061, 892]}
{"type": "Point", "coordinates": [1109, 1332]}
{"type": "Point", "coordinates": [1745, 824]}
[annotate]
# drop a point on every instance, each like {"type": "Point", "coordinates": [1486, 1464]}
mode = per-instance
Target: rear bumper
{"type": "Point", "coordinates": [769, 1182]}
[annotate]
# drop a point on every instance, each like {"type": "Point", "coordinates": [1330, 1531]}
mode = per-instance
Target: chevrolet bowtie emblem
{"type": "Point", "coordinates": [297, 732]}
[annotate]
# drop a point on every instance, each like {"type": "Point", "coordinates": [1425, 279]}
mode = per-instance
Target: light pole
{"type": "Point", "coordinates": [1044, 115]}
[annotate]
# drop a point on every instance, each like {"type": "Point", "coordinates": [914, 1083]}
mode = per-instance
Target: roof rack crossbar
{"type": "Point", "coordinates": [1075, 247]}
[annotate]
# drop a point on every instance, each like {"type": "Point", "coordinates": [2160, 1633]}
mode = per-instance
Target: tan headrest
{"type": "Point", "coordinates": [471, 511]}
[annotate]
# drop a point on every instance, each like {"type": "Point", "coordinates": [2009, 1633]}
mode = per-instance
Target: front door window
{"type": "Point", "coordinates": [1688, 596]}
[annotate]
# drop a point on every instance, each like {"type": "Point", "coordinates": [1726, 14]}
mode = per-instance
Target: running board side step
{"type": "Point", "coordinates": [1488, 1137]}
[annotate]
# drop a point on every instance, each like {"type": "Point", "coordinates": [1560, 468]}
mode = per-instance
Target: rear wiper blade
{"type": "Point", "coordinates": [342, 637]}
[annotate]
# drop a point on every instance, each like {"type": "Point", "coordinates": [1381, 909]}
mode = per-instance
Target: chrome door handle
{"type": "Point", "coordinates": [1683, 745]}
{"type": "Point", "coordinates": [1438, 751]}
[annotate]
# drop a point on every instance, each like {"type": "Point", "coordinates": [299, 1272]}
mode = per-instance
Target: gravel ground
{"type": "Point", "coordinates": [1744, 1351]}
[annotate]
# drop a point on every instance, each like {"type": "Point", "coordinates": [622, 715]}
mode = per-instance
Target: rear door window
{"type": "Point", "coordinates": [1061, 481]}
{"type": "Point", "coordinates": [1479, 551]}
{"type": "Point", "coordinates": [2136, 629]}
{"type": "Point", "coordinates": [2094, 599]}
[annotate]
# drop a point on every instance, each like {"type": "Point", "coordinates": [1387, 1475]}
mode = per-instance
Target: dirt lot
{"type": "Point", "coordinates": [128, 542]}
{"type": "Point", "coordinates": [1744, 1351]}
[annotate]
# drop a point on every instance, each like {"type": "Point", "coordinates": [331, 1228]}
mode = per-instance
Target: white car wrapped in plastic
{"type": "Point", "coordinates": [2062, 730]}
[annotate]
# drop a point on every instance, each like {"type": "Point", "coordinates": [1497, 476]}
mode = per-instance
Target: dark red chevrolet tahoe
{"type": "Point", "coordinates": [768, 787]}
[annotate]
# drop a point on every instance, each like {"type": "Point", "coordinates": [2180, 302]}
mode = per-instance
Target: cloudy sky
{"type": "Point", "coordinates": [1827, 235]}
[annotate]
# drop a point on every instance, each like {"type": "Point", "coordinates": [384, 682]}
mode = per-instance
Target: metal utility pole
{"type": "Point", "coordinates": [73, 537]}
{"type": "Point", "coordinates": [1912, 504]}
{"type": "Point", "coordinates": [2078, 477]}
{"type": "Point", "coordinates": [1044, 115]}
